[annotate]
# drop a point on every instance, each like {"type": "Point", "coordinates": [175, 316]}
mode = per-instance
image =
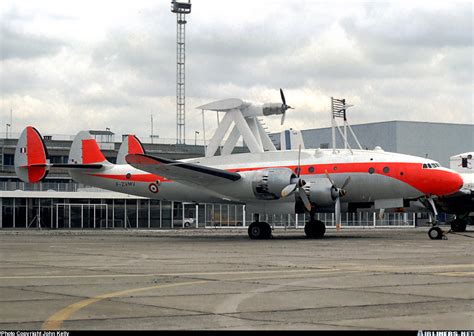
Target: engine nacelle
{"type": "Point", "coordinates": [271, 109]}
{"type": "Point", "coordinates": [267, 184]}
{"type": "Point", "coordinates": [321, 193]}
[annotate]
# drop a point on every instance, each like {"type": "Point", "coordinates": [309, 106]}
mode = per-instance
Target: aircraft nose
{"type": "Point", "coordinates": [449, 183]}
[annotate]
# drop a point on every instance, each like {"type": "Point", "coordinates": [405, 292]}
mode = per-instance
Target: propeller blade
{"type": "Point", "coordinates": [299, 160]}
{"type": "Point", "coordinates": [288, 189]}
{"type": "Point", "coordinates": [337, 213]}
{"type": "Point", "coordinates": [304, 198]}
{"type": "Point", "coordinates": [283, 117]}
{"type": "Point", "coordinates": [346, 182]}
{"type": "Point", "coordinates": [330, 179]}
{"type": "Point", "coordinates": [282, 97]}
{"type": "Point", "coordinates": [381, 214]}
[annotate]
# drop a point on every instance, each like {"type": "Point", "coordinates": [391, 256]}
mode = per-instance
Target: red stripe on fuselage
{"type": "Point", "coordinates": [427, 181]}
{"type": "Point", "coordinates": [133, 177]}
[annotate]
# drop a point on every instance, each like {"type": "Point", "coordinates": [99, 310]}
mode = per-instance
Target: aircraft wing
{"type": "Point", "coordinates": [181, 171]}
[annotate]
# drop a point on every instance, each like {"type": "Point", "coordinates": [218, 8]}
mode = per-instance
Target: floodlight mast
{"type": "Point", "coordinates": [181, 8]}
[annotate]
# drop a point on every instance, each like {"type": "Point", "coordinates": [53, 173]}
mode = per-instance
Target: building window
{"type": "Point", "coordinates": [8, 159]}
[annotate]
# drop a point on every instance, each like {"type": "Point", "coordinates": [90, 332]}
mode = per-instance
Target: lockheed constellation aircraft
{"type": "Point", "coordinates": [284, 181]}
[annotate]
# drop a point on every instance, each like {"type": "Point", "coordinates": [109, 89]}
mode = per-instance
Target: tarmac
{"type": "Point", "coordinates": [200, 279]}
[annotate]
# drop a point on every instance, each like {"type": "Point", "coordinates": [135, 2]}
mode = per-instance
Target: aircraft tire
{"type": "Point", "coordinates": [458, 225]}
{"type": "Point", "coordinates": [435, 233]}
{"type": "Point", "coordinates": [260, 230]}
{"type": "Point", "coordinates": [315, 229]}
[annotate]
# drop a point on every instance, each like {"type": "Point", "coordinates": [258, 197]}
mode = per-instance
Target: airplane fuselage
{"type": "Point", "coordinates": [375, 175]}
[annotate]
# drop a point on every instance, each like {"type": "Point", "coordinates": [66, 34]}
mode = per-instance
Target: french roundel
{"type": "Point", "coordinates": [153, 187]}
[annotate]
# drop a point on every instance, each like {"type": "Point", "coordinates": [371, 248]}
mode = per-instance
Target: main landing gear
{"type": "Point", "coordinates": [314, 228]}
{"type": "Point", "coordinates": [259, 230]}
{"type": "Point", "coordinates": [459, 224]}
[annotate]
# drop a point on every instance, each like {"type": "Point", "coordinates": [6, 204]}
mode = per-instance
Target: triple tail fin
{"type": "Point", "coordinates": [130, 145]}
{"type": "Point", "coordinates": [31, 156]}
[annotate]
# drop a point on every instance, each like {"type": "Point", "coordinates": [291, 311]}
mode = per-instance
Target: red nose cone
{"type": "Point", "coordinates": [449, 183]}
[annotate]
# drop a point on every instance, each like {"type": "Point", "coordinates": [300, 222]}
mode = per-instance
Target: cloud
{"type": "Point", "coordinates": [68, 69]}
{"type": "Point", "coordinates": [25, 46]}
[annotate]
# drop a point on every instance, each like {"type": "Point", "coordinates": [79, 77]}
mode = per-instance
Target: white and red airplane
{"type": "Point", "coordinates": [289, 182]}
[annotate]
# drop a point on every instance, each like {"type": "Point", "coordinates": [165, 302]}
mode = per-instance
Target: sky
{"type": "Point", "coordinates": [73, 65]}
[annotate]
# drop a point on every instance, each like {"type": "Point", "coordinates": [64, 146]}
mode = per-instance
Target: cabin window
{"type": "Point", "coordinates": [128, 176]}
{"type": "Point", "coordinates": [425, 166]}
{"type": "Point", "coordinates": [334, 168]}
{"type": "Point", "coordinates": [371, 170]}
{"type": "Point", "coordinates": [386, 170]}
{"type": "Point", "coordinates": [311, 169]}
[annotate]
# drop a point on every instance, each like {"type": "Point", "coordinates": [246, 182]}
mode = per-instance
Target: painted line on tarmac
{"type": "Point", "coordinates": [55, 321]}
{"type": "Point", "coordinates": [458, 274]}
{"type": "Point", "coordinates": [162, 274]}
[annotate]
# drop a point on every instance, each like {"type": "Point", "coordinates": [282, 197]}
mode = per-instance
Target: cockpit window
{"type": "Point", "coordinates": [431, 165]}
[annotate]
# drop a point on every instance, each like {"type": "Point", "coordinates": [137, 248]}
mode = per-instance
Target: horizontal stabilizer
{"type": "Point", "coordinates": [181, 171]}
{"type": "Point", "coordinates": [78, 166]}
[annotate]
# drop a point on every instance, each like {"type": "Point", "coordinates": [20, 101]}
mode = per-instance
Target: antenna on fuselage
{"type": "Point", "coordinates": [339, 110]}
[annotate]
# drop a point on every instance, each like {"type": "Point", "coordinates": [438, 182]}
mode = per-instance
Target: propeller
{"type": "Point", "coordinates": [297, 183]}
{"type": "Point", "coordinates": [336, 194]}
{"type": "Point", "coordinates": [284, 107]}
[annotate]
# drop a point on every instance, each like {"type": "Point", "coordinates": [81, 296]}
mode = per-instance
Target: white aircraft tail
{"type": "Point", "coordinates": [31, 156]}
{"type": "Point", "coordinates": [130, 145]}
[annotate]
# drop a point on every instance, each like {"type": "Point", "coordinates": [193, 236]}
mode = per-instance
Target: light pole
{"type": "Point", "coordinates": [195, 137]}
{"type": "Point", "coordinates": [6, 130]}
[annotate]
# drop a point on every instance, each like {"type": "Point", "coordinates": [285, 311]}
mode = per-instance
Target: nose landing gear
{"type": "Point", "coordinates": [435, 232]}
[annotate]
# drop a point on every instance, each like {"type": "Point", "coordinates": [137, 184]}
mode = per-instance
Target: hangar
{"type": "Point", "coordinates": [437, 141]}
{"type": "Point", "coordinates": [61, 203]}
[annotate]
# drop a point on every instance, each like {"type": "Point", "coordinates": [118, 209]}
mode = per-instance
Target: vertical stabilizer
{"type": "Point", "coordinates": [31, 163]}
{"type": "Point", "coordinates": [130, 145]}
{"type": "Point", "coordinates": [85, 150]}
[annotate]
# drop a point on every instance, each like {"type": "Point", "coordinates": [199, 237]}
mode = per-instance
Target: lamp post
{"type": "Point", "coordinates": [195, 137]}
{"type": "Point", "coordinates": [6, 130]}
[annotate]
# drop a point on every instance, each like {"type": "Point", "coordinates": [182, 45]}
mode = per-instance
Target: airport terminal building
{"type": "Point", "coordinates": [61, 203]}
